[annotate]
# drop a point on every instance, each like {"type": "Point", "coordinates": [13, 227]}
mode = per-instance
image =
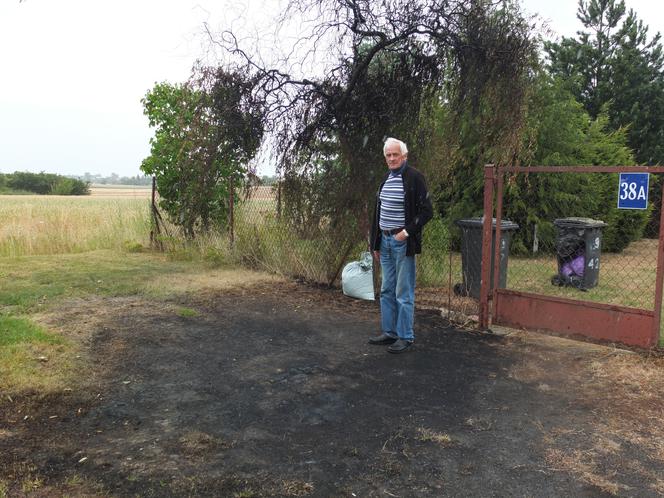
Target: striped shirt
{"type": "Point", "coordinates": [392, 212]}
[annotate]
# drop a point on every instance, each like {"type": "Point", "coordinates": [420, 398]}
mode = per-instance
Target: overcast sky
{"type": "Point", "coordinates": [73, 72]}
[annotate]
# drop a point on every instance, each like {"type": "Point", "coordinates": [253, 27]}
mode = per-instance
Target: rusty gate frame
{"type": "Point", "coordinates": [632, 326]}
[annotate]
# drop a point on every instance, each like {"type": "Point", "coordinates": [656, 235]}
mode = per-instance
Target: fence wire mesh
{"type": "Point", "coordinates": [586, 249]}
{"type": "Point", "coordinates": [265, 239]}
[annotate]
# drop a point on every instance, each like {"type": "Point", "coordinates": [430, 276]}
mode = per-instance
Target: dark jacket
{"type": "Point", "coordinates": [417, 206]}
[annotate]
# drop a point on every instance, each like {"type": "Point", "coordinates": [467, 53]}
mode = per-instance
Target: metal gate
{"type": "Point", "coordinates": [603, 313]}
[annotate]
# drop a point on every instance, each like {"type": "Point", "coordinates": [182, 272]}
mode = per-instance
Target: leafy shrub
{"type": "Point", "coordinates": [39, 183]}
{"type": "Point", "coordinates": [44, 183]}
{"type": "Point", "coordinates": [133, 246]}
{"type": "Point", "coordinates": [69, 186]}
{"type": "Point", "coordinates": [215, 256]}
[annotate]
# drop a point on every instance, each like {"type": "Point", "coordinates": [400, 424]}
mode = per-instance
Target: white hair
{"type": "Point", "coordinates": [390, 141]}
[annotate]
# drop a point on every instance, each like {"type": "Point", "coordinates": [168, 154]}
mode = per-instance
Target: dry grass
{"type": "Point", "coordinates": [633, 403]}
{"type": "Point", "coordinates": [428, 435]}
{"type": "Point", "coordinates": [626, 428]}
{"type": "Point", "coordinates": [582, 464]}
{"type": "Point", "coordinates": [634, 377]}
{"type": "Point", "coordinates": [197, 443]}
{"type": "Point", "coordinates": [480, 423]}
{"type": "Point", "coordinates": [601, 463]}
{"type": "Point", "coordinates": [297, 488]}
{"type": "Point", "coordinates": [529, 372]}
{"type": "Point", "coordinates": [121, 191]}
{"type": "Point", "coordinates": [263, 193]}
{"type": "Point", "coordinates": [40, 367]}
{"type": "Point", "coordinates": [204, 279]}
{"type": "Point", "coordinates": [34, 224]}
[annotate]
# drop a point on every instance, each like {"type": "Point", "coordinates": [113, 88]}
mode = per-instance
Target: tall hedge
{"type": "Point", "coordinates": [558, 131]}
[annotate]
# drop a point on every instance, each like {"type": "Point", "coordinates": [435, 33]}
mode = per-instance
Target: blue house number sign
{"type": "Point", "coordinates": [633, 191]}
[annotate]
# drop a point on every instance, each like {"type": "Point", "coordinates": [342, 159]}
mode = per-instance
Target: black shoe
{"type": "Point", "coordinates": [400, 346]}
{"type": "Point", "coordinates": [382, 340]}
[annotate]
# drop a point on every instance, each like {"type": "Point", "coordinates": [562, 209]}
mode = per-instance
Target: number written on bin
{"type": "Point", "coordinates": [633, 191]}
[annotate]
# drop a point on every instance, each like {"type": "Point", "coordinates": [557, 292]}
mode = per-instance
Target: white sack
{"type": "Point", "coordinates": [357, 278]}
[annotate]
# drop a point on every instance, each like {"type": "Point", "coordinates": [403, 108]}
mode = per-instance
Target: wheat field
{"type": "Point", "coordinates": [37, 224]}
{"type": "Point", "coordinates": [120, 191]}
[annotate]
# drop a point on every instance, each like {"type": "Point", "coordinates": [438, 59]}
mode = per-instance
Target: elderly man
{"type": "Point", "coordinates": [402, 209]}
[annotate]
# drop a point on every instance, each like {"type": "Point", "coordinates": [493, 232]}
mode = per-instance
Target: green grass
{"type": "Point", "coordinates": [26, 349]}
{"type": "Point", "coordinates": [187, 313]}
{"type": "Point", "coordinates": [16, 330]}
{"type": "Point", "coordinates": [33, 283]}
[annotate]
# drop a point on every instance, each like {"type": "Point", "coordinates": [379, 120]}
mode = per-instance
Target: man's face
{"type": "Point", "coordinates": [393, 156]}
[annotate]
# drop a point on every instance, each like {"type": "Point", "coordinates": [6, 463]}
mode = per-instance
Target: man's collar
{"type": "Point", "coordinates": [401, 169]}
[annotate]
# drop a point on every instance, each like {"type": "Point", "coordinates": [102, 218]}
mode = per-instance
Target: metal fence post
{"type": "Point", "coordinates": [231, 204]}
{"type": "Point", "coordinates": [153, 216]}
{"type": "Point", "coordinates": [497, 256]}
{"type": "Point", "coordinates": [485, 284]}
{"type": "Point", "coordinates": [657, 315]}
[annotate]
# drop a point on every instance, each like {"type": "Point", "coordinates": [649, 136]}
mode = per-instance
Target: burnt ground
{"type": "Point", "coordinates": [273, 391]}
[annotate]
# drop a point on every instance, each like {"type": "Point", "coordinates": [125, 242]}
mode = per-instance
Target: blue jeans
{"type": "Point", "coordinates": [397, 292]}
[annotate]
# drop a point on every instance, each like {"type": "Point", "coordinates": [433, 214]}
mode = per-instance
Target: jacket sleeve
{"type": "Point", "coordinates": [374, 240]}
{"type": "Point", "coordinates": [423, 207]}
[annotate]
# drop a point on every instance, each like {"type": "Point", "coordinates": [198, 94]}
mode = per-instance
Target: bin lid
{"type": "Point", "coordinates": [479, 223]}
{"type": "Point", "coordinates": [578, 223]}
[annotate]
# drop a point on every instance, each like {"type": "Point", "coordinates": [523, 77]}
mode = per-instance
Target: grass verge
{"type": "Point", "coordinates": [31, 357]}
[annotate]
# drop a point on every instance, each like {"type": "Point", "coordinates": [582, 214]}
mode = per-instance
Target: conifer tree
{"type": "Point", "coordinates": [612, 65]}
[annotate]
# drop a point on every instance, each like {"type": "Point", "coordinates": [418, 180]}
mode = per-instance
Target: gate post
{"type": "Point", "coordinates": [498, 238]}
{"type": "Point", "coordinates": [485, 284]}
{"type": "Point", "coordinates": [657, 315]}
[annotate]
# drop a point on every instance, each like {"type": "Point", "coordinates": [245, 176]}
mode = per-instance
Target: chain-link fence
{"type": "Point", "coordinates": [265, 239]}
{"type": "Point", "coordinates": [585, 250]}
{"type": "Point", "coordinates": [562, 235]}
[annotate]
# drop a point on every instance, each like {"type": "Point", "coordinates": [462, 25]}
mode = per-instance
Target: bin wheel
{"type": "Point", "coordinates": [557, 280]}
{"type": "Point", "coordinates": [460, 290]}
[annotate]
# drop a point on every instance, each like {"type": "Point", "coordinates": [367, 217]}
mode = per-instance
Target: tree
{"type": "Point", "coordinates": [612, 66]}
{"type": "Point", "coordinates": [561, 132]}
{"type": "Point", "coordinates": [388, 65]}
{"type": "Point", "coordinates": [207, 131]}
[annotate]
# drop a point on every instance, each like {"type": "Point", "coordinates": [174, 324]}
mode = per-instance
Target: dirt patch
{"type": "Point", "coordinates": [272, 390]}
